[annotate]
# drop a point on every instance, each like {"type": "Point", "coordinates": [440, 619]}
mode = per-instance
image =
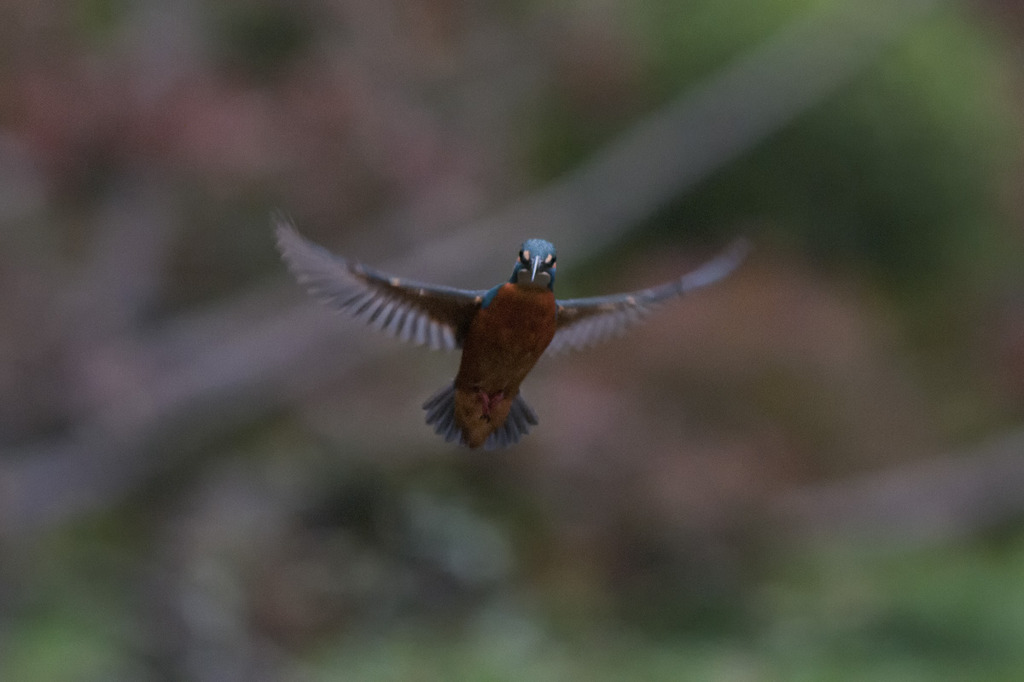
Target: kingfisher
{"type": "Point", "coordinates": [502, 331]}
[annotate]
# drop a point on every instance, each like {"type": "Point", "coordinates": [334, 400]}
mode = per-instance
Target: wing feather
{"type": "Point", "coordinates": [584, 322]}
{"type": "Point", "coordinates": [424, 314]}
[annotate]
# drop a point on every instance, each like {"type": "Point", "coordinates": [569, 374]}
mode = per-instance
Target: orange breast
{"type": "Point", "coordinates": [506, 339]}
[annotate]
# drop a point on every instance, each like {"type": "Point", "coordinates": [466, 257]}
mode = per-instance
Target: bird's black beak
{"type": "Point", "coordinates": [533, 271]}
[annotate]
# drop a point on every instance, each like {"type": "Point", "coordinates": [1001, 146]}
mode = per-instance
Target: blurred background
{"type": "Point", "coordinates": [814, 470]}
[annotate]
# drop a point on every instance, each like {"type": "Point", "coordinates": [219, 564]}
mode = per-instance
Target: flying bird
{"type": "Point", "coordinates": [502, 331]}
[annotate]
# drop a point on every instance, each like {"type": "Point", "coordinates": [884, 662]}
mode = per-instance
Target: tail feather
{"type": "Point", "coordinates": [523, 416]}
{"type": "Point", "coordinates": [440, 409]}
{"type": "Point", "coordinates": [436, 411]}
{"type": "Point", "coordinates": [441, 413]}
{"type": "Point", "coordinates": [520, 417]}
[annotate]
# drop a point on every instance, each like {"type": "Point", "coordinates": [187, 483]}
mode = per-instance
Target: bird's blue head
{"type": "Point", "coordinates": [536, 265]}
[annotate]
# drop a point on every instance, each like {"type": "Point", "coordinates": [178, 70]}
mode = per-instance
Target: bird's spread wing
{"type": "Point", "coordinates": [583, 322]}
{"type": "Point", "coordinates": [437, 316]}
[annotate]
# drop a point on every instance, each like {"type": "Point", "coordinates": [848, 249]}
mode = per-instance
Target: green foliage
{"type": "Point", "coordinates": [261, 38]}
{"type": "Point", "coordinates": [685, 41]}
{"type": "Point", "coordinates": [673, 45]}
{"type": "Point", "coordinates": [74, 624]}
{"type": "Point", "coordinates": [62, 646]}
{"type": "Point", "coordinates": [855, 614]}
{"type": "Point", "coordinates": [951, 613]}
{"type": "Point", "coordinates": [900, 171]}
{"type": "Point", "coordinates": [98, 19]}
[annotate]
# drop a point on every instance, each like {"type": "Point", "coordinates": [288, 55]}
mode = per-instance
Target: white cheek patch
{"type": "Point", "coordinates": [542, 280]}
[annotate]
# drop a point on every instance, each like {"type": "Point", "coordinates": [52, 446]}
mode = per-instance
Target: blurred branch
{"type": "Point", "coordinates": [207, 374]}
{"type": "Point", "coordinates": [715, 122]}
{"type": "Point", "coordinates": [936, 500]}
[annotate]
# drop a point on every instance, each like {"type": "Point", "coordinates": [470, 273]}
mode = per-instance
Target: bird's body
{"type": "Point", "coordinates": [503, 343]}
{"type": "Point", "coordinates": [502, 331]}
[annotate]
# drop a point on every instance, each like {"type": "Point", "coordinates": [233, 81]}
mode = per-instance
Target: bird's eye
{"type": "Point", "coordinates": [550, 260]}
{"type": "Point", "coordinates": [524, 256]}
